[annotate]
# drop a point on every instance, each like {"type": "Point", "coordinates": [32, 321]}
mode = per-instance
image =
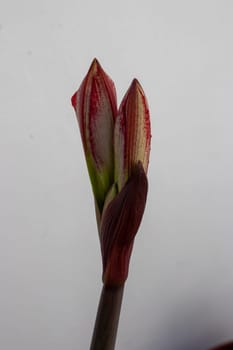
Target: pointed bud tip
{"type": "Point", "coordinates": [95, 61]}
{"type": "Point", "coordinates": [136, 86]}
{"type": "Point", "coordinates": [135, 82]}
{"type": "Point", "coordinates": [135, 90]}
{"type": "Point", "coordinates": [95, 66]}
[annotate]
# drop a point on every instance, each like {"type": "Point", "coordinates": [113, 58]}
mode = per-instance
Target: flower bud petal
{"type": "Point", "coordinates": [132, 134]}
{"type": "Point", "coordinates": [96, 108]}
{"type": "Point", "coordinates": [119, 225]}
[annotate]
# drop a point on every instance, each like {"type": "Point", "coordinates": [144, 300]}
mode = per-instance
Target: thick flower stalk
{"type": "Point", "coordinates": [116, 145]}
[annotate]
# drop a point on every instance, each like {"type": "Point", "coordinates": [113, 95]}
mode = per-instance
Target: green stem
{"type": "Point", "coordinates": [106, 324]}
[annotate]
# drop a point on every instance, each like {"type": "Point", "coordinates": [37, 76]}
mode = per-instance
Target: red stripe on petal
{"type": "Point", "coordinates": [133, 126]}
{"type": "Point", "coordinates": [95, 107]}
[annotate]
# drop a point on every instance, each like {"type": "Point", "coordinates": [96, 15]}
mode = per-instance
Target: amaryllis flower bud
{"type": "Point", "coordinates": [116, 147]}
{"type": "Point", "coordinates": [96, 108]}
{"type": "Point", "coordinates": [132, 134]}
{"type": "Point", "coordinates": [122, 217]}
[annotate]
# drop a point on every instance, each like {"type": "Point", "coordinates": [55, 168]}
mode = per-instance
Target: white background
{"type": "Point", "coordinates": [179, 292]}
